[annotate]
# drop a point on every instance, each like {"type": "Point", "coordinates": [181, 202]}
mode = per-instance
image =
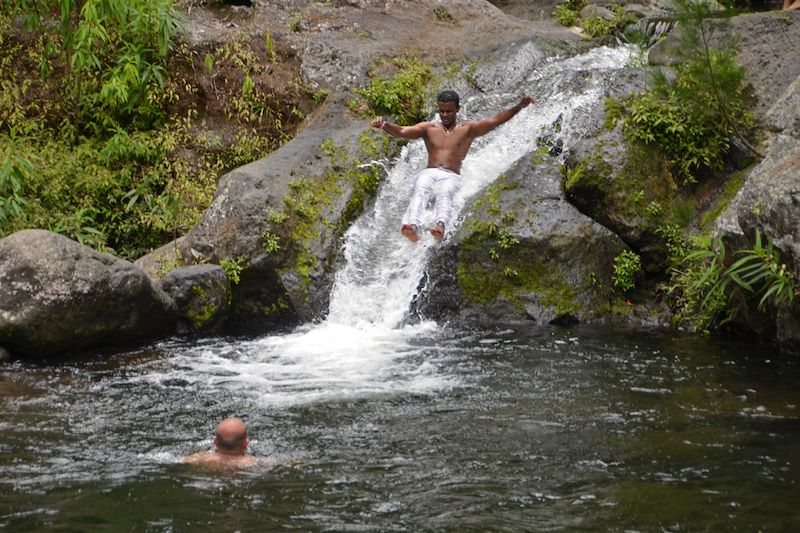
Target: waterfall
{"type": "Point", "coordinates": [364, 348]}
{"type": "Point", "coordinates": [382, 269]}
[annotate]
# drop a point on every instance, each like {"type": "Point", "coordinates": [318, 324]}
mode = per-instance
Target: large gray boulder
{"type": "Point", "coordinates": [523, 253]}
{"type": "Point", "coordinates": [769, 202]}
{"type": "Point", "coordinates": [624, 186]}
{"type": "Point", "coordinates": [59, 296]}
{"type": "Point", "coordinates": [201, 294]}
{"type": "Point", "coordinates": [279, 221]}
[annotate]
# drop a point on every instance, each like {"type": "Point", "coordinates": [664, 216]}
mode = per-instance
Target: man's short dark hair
{"type": "Point", "coordinates": [449, 96]}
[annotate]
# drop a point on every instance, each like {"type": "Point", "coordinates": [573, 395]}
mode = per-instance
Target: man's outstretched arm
{"type": "Point", "coordinates": [482, 127]}
{"type": "Point", "coordinates": [404, 132]}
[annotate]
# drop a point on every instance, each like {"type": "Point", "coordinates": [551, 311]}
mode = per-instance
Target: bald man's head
{"type": "Point", "coordinates": [230, 436]}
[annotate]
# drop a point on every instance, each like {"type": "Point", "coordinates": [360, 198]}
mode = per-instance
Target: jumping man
{"type": "Point", "coordinates": [447, 143]}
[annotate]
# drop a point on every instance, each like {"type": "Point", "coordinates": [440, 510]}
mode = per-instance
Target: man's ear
{"type": "Point", "coordinates": [215, 442]}
{"type": "Point", "coordinates": [246, 444]}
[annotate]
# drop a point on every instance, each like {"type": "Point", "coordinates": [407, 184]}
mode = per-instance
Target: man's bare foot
{"type": "Point", "coordinates": [409, 231]}
{"type": "Point", "coordinates": [438, 231]}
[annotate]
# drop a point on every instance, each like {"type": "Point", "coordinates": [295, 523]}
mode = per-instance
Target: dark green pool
{"type": "Point", "coordinates": [420, 429]}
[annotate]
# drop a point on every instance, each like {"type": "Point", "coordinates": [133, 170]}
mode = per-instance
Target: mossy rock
{"type": "Point", "coordinates": [523, 253]}
{"type": "Point", "coordinates": [201, 293]}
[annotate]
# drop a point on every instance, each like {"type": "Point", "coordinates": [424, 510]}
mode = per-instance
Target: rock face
{"type": "Point", "coordinates": [280, 220]}
{"type": "Point", "coordinates": [338, 42]}
{"type": "Point", "coordinates": [202, 295]}
{"type": "Point", "coordinates": [769, 202]}
{"type": "Point", "coordinates": [761, 43]}
{"type": "Point", "coordinates": [59, 296]}
{"type": "Point", "coordinates": [625, 187]}
{"type": "Point", "coordinates": [523, 253]}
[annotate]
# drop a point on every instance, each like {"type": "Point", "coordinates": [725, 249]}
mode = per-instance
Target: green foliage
{"type": "Point", "coordinates": [402, 96]}
{"type": "Point", "coordinates": [701, 288]}
{"type": "Point", "coordinates": [88, 151]}
{"type": "Point", "coordinates": [698, 291]}
{"type": "Point", "coordinates": [321, 95]}
{"type": "Point", "coordinates": [233, 268]}
{"type": "Point", "coordinates": [692, 117]}
{"type": "Point", "coordinates": [15, 173]}
{"type": "Point", "coordinates": [270, 241]}
{"type": "Point", "coordinates": [270, 47]}
{"type": "Point", "coordinates": [575, 175]}
{"type": "Point", "coordinates": [760, 271]}
{"type": "Point", "coordinates": [277, 217]}
{"type": "Point", "coordinates": [627, 267]}
{"type": "Point", "coordinates": [677, 247]}
{"type": "Point", "coordinates": [507, 241]}
{"type": "Point", "coordinates": [568, 13]}
{"type": "Point", "coordinates": [595, 26]}
{"type": "Point", "coordinates": [683, 212]}
{"type": "Point", "coordinates": [329, 148]}
{"type": "Point", "coordinates": [693, 140]}
{"type": "Point", "coordinates": [115, 54]}
{"type": "Point", "coordinates": [442, 15]}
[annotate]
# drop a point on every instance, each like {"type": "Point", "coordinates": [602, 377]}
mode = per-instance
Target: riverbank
{"type": "Point", "coordinates": [275, 226]}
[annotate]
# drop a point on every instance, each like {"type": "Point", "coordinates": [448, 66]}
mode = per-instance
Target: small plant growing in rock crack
{"type": "Point", "coordinates": [270, 242]}
{"type": "Point", "coordinates": [627, 266]}
{"type": "Point", "coordinates": [277, 217]}
{"type": "Point", "coordinates": [760, 271]}
{"type": "Point", "coordinates": [507, 240]}
{"type": "Point", "coordinates": [442, 15]}
{"type": "Point", "coordinates": [233, 268]}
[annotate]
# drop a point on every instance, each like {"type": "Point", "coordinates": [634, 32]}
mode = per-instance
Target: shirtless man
{"type": "Point", "coordinates": [230, 441]}
{"type": "Point", "coordinates": [447, 143]}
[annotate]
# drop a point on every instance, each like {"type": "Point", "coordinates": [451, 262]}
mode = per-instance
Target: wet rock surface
{"type": "Point", "coordinates": [550, 264]}
{"type": "Point", "coordinates": [59, 296]}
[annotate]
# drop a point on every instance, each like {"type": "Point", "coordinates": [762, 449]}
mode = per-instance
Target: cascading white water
{"type": "Point", "coordinates": [362, 349]}
{"type": "Point", "coordinates": [382, 270]}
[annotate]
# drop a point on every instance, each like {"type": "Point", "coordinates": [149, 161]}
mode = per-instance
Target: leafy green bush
{"type": "Point", "coordinates": [115, 55]}
{"type": "Point", "coordinates": [595, 26]}
{"type": "Point", "coordinates": [115, 163]}
{"type": "Point", "coordinates": [566, 15]}
{"type": "Point", "coordinates": [693, 136]}
{"type": "Point", "coordinates": [701, 288]}
{"type": "Point", "coordinates": [233, 269]}
{"type": "Point", "coordinates": [15, 172]}
{"type": "Point", "coordinates": [402, 96]}
{"type": "Point", "coordinates": [761, 272]}
{"type": "Point", "coordinates": [698, 290]}
{"type": "Point", "coordinates": [693, 116]}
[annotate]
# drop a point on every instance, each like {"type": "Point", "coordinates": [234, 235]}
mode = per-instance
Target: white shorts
{"type": "Point", "coordinates": [440, 183]}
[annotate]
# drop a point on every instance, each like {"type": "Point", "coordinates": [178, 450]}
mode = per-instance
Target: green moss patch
{"type": "Point", "coordinates": [511, 272]}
